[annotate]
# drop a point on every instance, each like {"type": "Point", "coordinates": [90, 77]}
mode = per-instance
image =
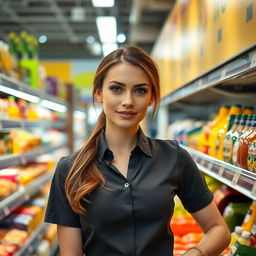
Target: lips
{"type": "Point", "coordinates": [127, 114]}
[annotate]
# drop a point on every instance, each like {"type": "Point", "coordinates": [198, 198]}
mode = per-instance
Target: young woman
{"type": "Point", "coordinates": [115, 195]}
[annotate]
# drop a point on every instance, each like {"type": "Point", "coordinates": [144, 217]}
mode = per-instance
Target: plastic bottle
{"type": "Point", "coordinates": [228, 142]}
{"type": "Point", "coordinates": [245, 238]}
{"type": "Point", "coordinates": [13, 110]}
{"type": "Point", "coordinates": [244, 124]}
{"type": "Point", "coordinates": [204, 138]}
{"type": "Point", "coordinates": [235, 109]}
{"type": "Point", "coordinates": [245, 141]}
{"type": "Point", "coordinates": [248, 110]}
{"type": "Point", "coordinates": [249, 217]}
{"type": "Point", "coordinates": [251, 158]}
{"type": "Point", "coordinates": [253, 235]}
{"type": "Point", "coordinates": [223, 114]}
{"type": "Point", "coordinates": [235, 235]}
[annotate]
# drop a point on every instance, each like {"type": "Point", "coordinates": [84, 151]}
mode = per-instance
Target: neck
{"type": "Point", "coordinates": [119, 139]}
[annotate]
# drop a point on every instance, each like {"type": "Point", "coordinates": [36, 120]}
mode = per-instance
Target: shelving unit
{"type": "Point", "coordinates": [7, 124]}
{"type": "Point", "coordinates": [18, 89]}
{"type": "Point", "coordinates": [12, 159]}
{"type": "Point", "coordinates": [232, 82]}
{"type": "Point", "coordinates": [239, 179]}
{"type": "Point", "coordinates": [23, 194]}
{"type": "Point", "coordinates": [35, 237]}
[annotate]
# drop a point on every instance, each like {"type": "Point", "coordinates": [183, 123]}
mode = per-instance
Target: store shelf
{"type": "Point", "coordinates": [16, 199]}
{"type": "Point", "coordinates": [233, 73]}
{"type": "Point", "coordinates": [239, 179]}
{"type": "Point", "coordinates": [12, 159]}
{"type": "Point", "coordinates": [11, 83]}
{"type": "Point", "coordinates": [35, 237]}
{"type": "Point", "coordinates": [6, 124]}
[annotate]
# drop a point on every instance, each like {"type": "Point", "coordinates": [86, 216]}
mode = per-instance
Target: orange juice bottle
{"type": "Point", "coordinates": [245, 141]}
{"type": "Point", "coordinates": [236, 152]}
{"type": "Point", "coordinates": [250, 216]}
{"type": "Point", "coordinates": [203, 139]}
{"type": "Point", "coordinates": [13, 110]}
{"type": "Point", "coordinates": [223, 113]}
{"type": "Point", "coordinates": [235, 110]}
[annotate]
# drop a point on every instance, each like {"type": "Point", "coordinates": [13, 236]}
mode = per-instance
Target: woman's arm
{"type": "Point", "coordinates": [70, 241]}
{"type": "Point", "coordinates": [216, 233]}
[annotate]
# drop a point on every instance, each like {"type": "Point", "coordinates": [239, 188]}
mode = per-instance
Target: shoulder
{"type": "Point", "coordinates": [170, 145]}
{"type": "Point", "coordinates": [64, 165]}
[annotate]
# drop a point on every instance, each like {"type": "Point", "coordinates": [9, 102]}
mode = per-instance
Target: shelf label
{"type": "Point", "coordinates": [221, 171]}
{"type": "Point", "coordinates": [253, 61]}
{"type": "Point", "coordinates": [6, 210]}
{"type": "Point", "coordinates": [253, 192]}
{"type": "Point", "coordinates": [209, 166]}
{"type": "Point", "coordinates": [223, 73]}
{"type": "Point", "coordinates": [235, 178]}
{"type": "Point", "coordinates": [23, 160]}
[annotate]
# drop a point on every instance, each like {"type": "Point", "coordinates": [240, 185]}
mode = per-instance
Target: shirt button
{"type": "Point", "coordinates": [126, 185]}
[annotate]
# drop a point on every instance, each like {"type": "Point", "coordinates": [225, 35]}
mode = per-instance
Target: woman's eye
{"type": "Point", "coordinates": [116, 89]}
{"type": "Point", "coordinates": [141, 91]}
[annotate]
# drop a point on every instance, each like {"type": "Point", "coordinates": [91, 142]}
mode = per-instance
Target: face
{"type": "Point", "coordinates": [126, 94]}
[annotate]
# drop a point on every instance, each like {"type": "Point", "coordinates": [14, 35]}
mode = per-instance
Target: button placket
{"type": "Point", "coordinates": [126, 185]}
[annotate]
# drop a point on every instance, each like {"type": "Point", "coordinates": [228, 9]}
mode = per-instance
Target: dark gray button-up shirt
{"type": "Point", "coordinates": [131, 217]}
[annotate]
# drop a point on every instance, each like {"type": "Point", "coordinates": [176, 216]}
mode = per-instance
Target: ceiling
{"type": "Point", "coordinates": [140, 20]}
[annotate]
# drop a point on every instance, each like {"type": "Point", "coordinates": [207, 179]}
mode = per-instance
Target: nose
{"type": "Point", "coordinates": [127, 99]}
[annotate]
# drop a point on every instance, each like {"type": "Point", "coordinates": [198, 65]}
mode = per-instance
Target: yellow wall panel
{"type": "Point", "coordinates": [201, 34]}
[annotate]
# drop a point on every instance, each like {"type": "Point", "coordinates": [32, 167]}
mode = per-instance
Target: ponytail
{"type": "Point", "coordinates": [84, 175]}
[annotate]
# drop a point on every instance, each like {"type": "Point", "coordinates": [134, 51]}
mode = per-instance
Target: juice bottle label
{"type": "Point", "coordinates": [235, 152]}
{"type": "Point", "coordinates": [228, 149]}
{"type": "Point", "coordinates": [251, 159]}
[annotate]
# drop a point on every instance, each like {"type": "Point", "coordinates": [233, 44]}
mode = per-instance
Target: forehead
{"type": "Point", "coordinates": [127, 73]}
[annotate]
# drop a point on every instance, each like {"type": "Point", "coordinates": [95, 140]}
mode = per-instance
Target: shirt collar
{"type": "Point", "coordinates": [143, 144]}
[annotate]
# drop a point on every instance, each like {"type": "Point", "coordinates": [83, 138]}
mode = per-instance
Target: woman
{"type": "Point", "coordinates": [115, 195]}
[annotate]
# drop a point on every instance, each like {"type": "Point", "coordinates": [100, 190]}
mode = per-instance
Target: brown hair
{"type": "Point", "coordinates": [84, 176]}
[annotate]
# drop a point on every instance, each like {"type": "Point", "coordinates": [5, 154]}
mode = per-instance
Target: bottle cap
{"type": "Point", "coordinates": [246, 234]}
{"type": "Point", "coordinates": [238, 229]}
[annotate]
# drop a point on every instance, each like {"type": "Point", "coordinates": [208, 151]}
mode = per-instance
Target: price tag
{"type": "Point", "coordinates": [6, 211]}
{"type": "Point", "coordinates": [23, 160]}
{"type": "Point", "coordinates": [26, 197]}
{"type": "Point", "coordinates": [253, 192]}
{"type": "Point", "coordinates": [221, 170]}
{"type": "Point", "coordinates": [223, 73]}
{"type": "Point", "coordinates": [235, 178]}
{"type": "Point", "coordinates": [209, 166]}
{"type": "Point", "coordinates": [253, 61]}
{"type": "Point", "coordinates": [22, 125]}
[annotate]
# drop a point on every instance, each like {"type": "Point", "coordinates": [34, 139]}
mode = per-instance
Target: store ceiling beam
{"type": "Point", "coordinates": [12, 14]}
{"type": "Point", "coordinates": [62, 19]}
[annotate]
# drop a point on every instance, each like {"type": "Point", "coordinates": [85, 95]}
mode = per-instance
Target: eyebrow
{"type": "Point", "coordinates": [122, 84]}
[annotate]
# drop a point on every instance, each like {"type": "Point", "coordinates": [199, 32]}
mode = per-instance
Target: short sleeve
{"type": "Point", "coordinates": [58, 209]}
{"type": "Point", "coordinates": [192, 190]}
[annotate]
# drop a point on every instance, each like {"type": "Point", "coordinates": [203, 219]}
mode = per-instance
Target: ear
{"type": "Point", "coordinates": [98, 95]}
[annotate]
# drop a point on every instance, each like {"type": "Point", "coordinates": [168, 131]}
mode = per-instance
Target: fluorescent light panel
{"type": "Point", "coordinates": [103, 3]}
{"type": "Point", "coordinates": [108, 48]}
{"type": "Point", "coordinates": [53, 106]}
{"type": "Point", "coordinates": [18, 94]}
{"type": "Point", "coordinates": [107, 28]}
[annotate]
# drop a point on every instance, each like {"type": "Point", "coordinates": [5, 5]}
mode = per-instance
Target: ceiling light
{"type": "Point", "coordinates": [19, 94]}
{"type": "Point", "coordinates": [53, 106]}
{"type": "Point", "coordinates": [121, 38]}
{"type": "Point", "coordinates": [106, 28]}
{"type": "Point", "coordinates": [78, 14]}
{"type": "Point", "coordinates": [103, 3]}
{"type": "Point", "coordinates": [108, 48]}
{"type": "Point", "coordinates": [42, 39]}
{"type": "Point", "coordinates": [79, 114]}
{"type": "Point", "coordinates": [90, 39]}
